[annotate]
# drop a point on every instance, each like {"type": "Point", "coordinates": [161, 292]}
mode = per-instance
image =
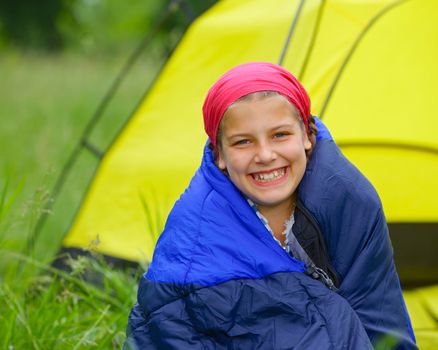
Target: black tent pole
{"type": "Point", "coordinates": [290, 33]}
{"type": "Point", "coordinates": [173, 6]}
{"type": "Point", "coordinates": [315, 33]}
{"type": "Point", "coordinates": [352, 50]}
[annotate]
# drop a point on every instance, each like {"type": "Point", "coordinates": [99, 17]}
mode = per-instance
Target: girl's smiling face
{"type": "Point", "coordinates": [263, 147]}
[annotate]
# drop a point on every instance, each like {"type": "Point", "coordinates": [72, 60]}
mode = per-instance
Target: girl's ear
{"type": "Point", "coordinates": [220, 161]}
{"type": "Point", "coordinates": [307, 143]}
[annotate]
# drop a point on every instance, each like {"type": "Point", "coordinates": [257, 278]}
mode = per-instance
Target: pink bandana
{"type": "Point", "coordinates": [248, 78]}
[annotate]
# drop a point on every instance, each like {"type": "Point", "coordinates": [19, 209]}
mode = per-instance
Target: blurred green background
{"type": "Point", "coordinates": [88, 26]}
{"type": "Point", "coordinates": [58, 61]}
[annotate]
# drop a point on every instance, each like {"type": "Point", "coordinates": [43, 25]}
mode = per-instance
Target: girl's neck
{"type": "Point", "coordinates": [277, 216]}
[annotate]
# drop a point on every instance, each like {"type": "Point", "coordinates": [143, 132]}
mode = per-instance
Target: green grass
{"type": "Point", "coordinates": [46, 102]}
{"type": "Point", "coordinates": [44, 308]}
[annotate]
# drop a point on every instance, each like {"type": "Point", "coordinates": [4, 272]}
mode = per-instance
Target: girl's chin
{"type": "Point", "coordinates": [273, 202]}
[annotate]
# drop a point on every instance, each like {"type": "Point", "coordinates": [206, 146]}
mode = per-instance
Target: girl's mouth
{"type": "Point", "coordinates": [270, 176]}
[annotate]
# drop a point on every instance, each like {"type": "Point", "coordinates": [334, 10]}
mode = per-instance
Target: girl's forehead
{"type": "Point", "coordinates": [254, 97]}
{"type": "Point", "coordinates": [265, 110]}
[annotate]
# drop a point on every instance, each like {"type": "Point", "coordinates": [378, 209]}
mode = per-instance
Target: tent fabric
{"type": "Point", "coordinates": [205, 290]}
{"type": "Point", "coordinates": [369, 68]}
{"type": "Point", "coordinates": [423, 309]}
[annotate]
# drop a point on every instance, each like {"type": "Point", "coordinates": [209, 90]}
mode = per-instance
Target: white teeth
{"type": "Point", "coordinates": [266, 177]}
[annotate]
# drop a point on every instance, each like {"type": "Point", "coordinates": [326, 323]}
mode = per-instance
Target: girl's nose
{"type": "Point", "coordinates": [265, 154]}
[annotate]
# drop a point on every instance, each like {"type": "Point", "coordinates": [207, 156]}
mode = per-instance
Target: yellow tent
{"type": "Point", "coordinates": [370, 69]}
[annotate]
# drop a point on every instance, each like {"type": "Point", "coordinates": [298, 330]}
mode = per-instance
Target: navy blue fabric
{"type": "Point", "coordinates": [287, 310]}
{"type": "Point", "coordinates": [350, 215]}
{"type": "Point", "coordinates": [218, 279]}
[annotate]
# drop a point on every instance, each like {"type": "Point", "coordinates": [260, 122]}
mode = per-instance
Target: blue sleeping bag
{"type": "Point", "coordinates": [219, 280]}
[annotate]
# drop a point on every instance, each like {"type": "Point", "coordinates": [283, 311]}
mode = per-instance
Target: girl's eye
{"type": "Point", "coordinates": [278, 135]}
{"type": "Point", "coordinates": [242, 142]}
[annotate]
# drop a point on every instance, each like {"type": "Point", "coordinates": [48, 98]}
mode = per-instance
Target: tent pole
{"type": "Point", "coordinates": [312, 40]}
{"type": "Point", "coordinates": [356, 43]}
{"type": "Point", "coordinates": [291, 30]}
{"type": "Point", "coordinates": [172, 7]}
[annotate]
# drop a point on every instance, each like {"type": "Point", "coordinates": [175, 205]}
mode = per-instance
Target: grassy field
{"type": "Point", "coordinates": [46, 102]}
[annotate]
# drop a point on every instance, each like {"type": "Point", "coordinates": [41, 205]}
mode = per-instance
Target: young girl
{"type": "Point", "coordinates": [267, 249]}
